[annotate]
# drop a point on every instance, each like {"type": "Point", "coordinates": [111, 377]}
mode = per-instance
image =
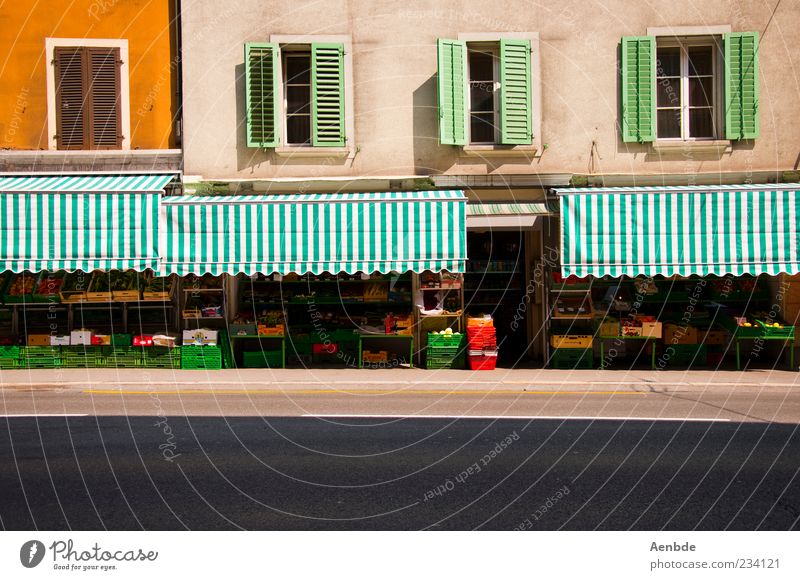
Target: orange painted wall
{"type": "Point", "coordinates": [152, 55]}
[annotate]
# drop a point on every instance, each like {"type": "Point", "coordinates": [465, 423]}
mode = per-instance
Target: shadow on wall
{"type": "Point", "coordinates": [251, 158]}
{"type": "Point", "coordinates": [432, 158]}
{"type": "Point", "coordinates": [246, 157]}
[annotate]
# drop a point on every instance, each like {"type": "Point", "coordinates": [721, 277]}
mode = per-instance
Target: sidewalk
{"type": "Point", "coordinates": [501, 380]}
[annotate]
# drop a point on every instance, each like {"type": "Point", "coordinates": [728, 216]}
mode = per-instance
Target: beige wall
{"type": "Point", "coordinates": [394, 60]}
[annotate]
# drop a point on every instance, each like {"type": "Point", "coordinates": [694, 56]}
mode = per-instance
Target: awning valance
{"type": "Point", "coordinates": [80, 222]}
{"type": "Point", "coordinates": [366, 232]}
{"type": "Point", "coordinates": [509, 215]}
{"type": "Point", "coordinates": [748, 229]}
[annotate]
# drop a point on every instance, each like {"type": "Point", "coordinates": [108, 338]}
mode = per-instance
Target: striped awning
{"type": "Point", "coordinates": [748, 229]}
{"type": "Point", "coordinates": [490, 209]}
{"type": "Point", "coordinates": [85, 183]}
{"type": "Point", "coordinates": [300, 233]}
{"type": "Point", "coordinates": [80, 222]}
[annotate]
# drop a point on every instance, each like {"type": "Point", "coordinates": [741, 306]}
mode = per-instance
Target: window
{"type": "Point", "coordinates": [87, 98]}
{"type": "Point", "coordinates": [297, 97]}
{"type": "Point", "coordinates": [295, 94]}
{"type": "Point", "coordinates": [689, 88]}
{"type": "Point", "coordinates": [687, 84]}
{"type": "Point", "coordinates": [485, 92]}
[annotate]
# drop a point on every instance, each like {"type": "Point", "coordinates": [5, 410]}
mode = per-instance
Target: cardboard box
{"type": "Point", "coordinates": [81, 337]}
{"type": "Point", "coordinates": [652, 329]}
{"type": "Point", "coordinates": [571, 341]}
{"type": "Point", "coordinates": [59, 340]}
{"type": "Point", "coordinates": [200, 337]}
{"type": "Point", "coordinates": [164, 340]}
{"type": "Point", "coordinates": [101, 339]}
{"type": "Point", "coordinates": [38, 340]}
{"type": "Point", "coordinates": [628, 330]}
{"type": "Point", "coordinates": [679, 334]}
{"type": "Point", "coordinates": [609, 327]}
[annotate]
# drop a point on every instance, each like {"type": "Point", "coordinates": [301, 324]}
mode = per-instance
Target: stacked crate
{"type": "Point", "coordinates": [571, 351]}
{"type": "Point", "coordinates": [482, 339]}
{"type": "Point", "coordinates": [201, 357]}
{"type": "Point", "coordinates": [446, 351]}
{"type": "Point", "coordinates": [161, 357]}
{"type": "Point", "coordinates": [9, 357]}
{"type": "Point", "coordinates": [122, 357]}
{"type": "Point", "coordinates": [39, 357]}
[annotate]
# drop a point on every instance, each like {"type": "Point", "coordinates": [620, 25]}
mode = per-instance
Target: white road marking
{"type": "Point", "coordinates": [519, 417]}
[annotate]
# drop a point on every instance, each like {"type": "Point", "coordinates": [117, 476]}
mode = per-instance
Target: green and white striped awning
{"type": "Point", "coordinates": [300, 233]}
{"type": "Point", "coordinates": [504, 209]}
{"type": "Point", "coordinates": [80, 222]}
{"type": "Point", "coordinates": [85, 183]}
{"type": "Point", "coordinates": [748, 229]}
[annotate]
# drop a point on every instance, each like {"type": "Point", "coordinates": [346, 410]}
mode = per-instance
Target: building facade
{"type": "Point", "coordinates": [380, 168]}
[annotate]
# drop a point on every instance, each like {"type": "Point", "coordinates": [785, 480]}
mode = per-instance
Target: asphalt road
{"type": "Point", "coordinates": [224, 461]}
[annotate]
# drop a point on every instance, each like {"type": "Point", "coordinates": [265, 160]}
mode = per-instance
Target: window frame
{"type": "Point", "coordinates": [537, 140]}
{"type": "Point", "coordinates": [494, 48]}
{"type": "Point", "coordinates": [120, 44]}
{"type": "Point", "coordinates": [293, 51]}
{"type": "Point", "coordinates": [303, 42]}
{"type": "Point", "coordinates": [683, 43]}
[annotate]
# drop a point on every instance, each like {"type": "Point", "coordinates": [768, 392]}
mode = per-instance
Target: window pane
{"type": "Point", "coordinates": [298, 129]}
{"type": "Point", "coordinates": [668, 92]}
{"type": "Point", "coordinates": [298, 99]}
{"type": "Point", "coordinates": [481, 97]}
{"type": "Point", "coordinates": [669, 123]}
{"type": "Point", "coordinates": [668, 62]}
{"type": "Point", "coordinates": [298, 69]}
{"type": "Point", "coordinates": [700, 60]}
{"type": "Point", "coordinates": [700, 92]}
{"type": "Point", "coordinates": [482, 128]}
{"type": "Point", "coordinates": [701, 123]}
{"type": "Point", "coordinates": [481, 66]}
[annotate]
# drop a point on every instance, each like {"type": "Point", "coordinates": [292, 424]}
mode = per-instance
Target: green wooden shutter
{"type": "Point", "coordinates": [515, 92]}
{"type": "Point", "coordinates": [327, 95]}
{"type": "Point", "coordinates": [261, 83]}
{"type": "Point", "coordinates": [638, 115]}
{"type": "Point", "coordinates": [452, 88]}
{"type": "Point", "coordinates": [741, 85]}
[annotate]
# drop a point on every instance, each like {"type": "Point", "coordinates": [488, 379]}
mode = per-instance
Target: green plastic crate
{"type": "Point", "coordinates": [201, 357]}
{"type": "Point", "coordinates": [447, 340]}
{"type": "Point", "coordinates": [161, 357]}
{"type": "Point", "coordinates": [571, 358]}
{"type": "Point", "coordinates": [9, 352]}
{"type": "Point", "coordinates": [262, 359]}
{"type": "Point", "coordinates": [121, 339]}
{"type": "Point", "coordinates": [9, 363]}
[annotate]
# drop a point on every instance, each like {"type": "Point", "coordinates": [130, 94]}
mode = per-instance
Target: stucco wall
{"type": "Point", "coordinates": [394, 60]}
{"type": "Point", "coordinates": [152, 64]}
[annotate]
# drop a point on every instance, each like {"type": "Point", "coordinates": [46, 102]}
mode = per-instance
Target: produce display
{"type": "Point", "coordinates": [158, 284]}
{"type": "Point", "coordinates": [75, 282]}
{"type": "Point", "coordinates": [21, 285]}
{"type": "Point", "coordinates": [49, 285]}
{"type": "Point", "coordinates": [119, 281]}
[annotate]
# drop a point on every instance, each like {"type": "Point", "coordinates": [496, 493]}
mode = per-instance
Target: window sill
{"type": "Point", "coordinates": [313, 151]}
{"type": "Point", "coordinates": [717, 146]}
{"type": "Point", "coordinates": [499, 150]}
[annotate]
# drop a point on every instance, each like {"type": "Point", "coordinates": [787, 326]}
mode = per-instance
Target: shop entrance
{"type": "Point", "coordinates": [495, 284]}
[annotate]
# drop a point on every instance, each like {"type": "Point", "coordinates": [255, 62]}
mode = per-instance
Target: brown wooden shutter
{"type": "Point", "coordinates": [105, 119]}
{"type": "Point", "coordinates": [70, 99]}
{"type": "Point", "coordinates": [88, 98]}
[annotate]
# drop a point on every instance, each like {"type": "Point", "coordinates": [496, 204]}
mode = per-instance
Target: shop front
{"type": "Point", "coordinates": [79, 258]}
{"type": "Point", "coordinates": [319, 279]}
{"type": "Point", "coordinates": [676, 278]}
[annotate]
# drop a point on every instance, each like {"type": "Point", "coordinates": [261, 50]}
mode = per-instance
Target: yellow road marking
{"type": "Point", "coordinates": [346, 392]}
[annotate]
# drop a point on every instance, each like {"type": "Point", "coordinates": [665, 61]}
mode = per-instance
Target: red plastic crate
{"type": "Point", "coordinates": [143, 340]}
{"type": "Point", "coordinates": [322, 348]}
{"type": "Point", "coordinates": [482, 363]}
